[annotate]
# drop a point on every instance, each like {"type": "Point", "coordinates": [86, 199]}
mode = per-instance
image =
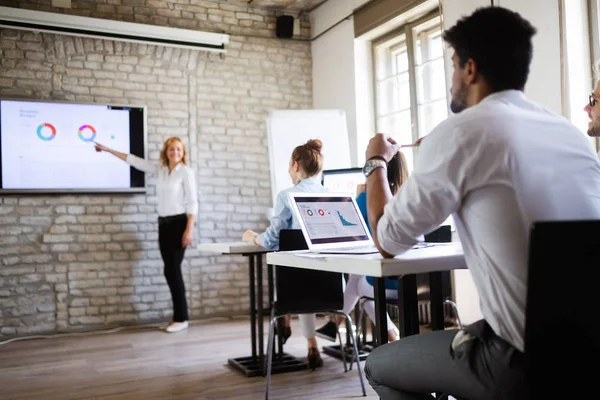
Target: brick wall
{"type": "Point", "coordinates": [232, 17]}
{"type": "Point", "coordinates": [71, 262]}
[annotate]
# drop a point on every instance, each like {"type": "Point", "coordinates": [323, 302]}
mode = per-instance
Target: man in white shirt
{"type": "Point", "coordinates": [500, 164]}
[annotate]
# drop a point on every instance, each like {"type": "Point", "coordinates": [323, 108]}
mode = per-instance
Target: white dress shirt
{"type": "Point", "coordinates": [176, 191]}
{"type": "Point", "coordinates": [496, 167]}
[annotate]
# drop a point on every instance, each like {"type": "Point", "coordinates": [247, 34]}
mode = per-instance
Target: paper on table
{"type": "Point", "coordinates": [311, 255]}
{"type": "Point", "coordinates": [323, 256]}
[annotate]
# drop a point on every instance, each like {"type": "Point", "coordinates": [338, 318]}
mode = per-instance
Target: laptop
{"type": "Point", "coordinates": [332, 223]}
{"type": "Point", "coordinates": [342, 180]}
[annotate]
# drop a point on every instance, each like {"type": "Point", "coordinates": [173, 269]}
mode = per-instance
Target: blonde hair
{"type": "Point", "coordinates": [163, 153]}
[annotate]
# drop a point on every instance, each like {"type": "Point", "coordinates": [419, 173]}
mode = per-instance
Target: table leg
{"type": "Point", "coordinates": [437, 304]}
{"type": "Point", "coordinates": [279, 323]}
{"type": "Point", "coordinates": [380, 312]}
{"type": "Point", "coordinates": [360, 326]}
{"type": "Point", "coordinates": [252, 306]}
{"type": "Point", "coordinates": [408, 309]}
{"type": "Point", "coordinates": [259, 310]}
{"type": "Point", "coordinates": [270, 282]}
{"type": "Point", "coordinates": [254, 365]}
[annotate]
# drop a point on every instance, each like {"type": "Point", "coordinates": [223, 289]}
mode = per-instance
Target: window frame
{"type": "Point", "coordinates": [405, 30]}
{"type": "Point", "coordinates": [594, 30]}
{"type": "Point", "coordinates": [593, 21]}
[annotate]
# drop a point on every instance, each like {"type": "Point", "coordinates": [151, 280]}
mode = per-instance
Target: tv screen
{"type": "Point", "coordinates": [49, 147]}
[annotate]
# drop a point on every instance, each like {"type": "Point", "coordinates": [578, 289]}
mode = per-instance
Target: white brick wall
{"type": "Point", "coordinates": [72, 262]}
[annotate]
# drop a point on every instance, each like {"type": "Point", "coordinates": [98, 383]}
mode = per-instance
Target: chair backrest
{"type": "Point", "coordinates": [562, 334]}
{"type": "Point", "coordinates": [443, 234]}
{"type": "Point", "coordinates": [302, 290]}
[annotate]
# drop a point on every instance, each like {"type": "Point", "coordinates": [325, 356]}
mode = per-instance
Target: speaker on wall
{"type": "Point", "coordinates": [284, 27]}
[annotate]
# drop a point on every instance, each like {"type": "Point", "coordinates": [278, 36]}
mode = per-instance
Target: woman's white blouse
{"type": "Point", "coordinates": [177, 193]}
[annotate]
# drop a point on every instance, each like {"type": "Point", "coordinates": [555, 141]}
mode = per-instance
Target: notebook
{"type": "Point", "coordinates": [332, 223]}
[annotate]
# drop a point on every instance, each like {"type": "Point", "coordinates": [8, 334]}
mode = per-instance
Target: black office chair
{"type": "Point", "coordinates": [305, 291]}
{"type": "Point", "coordinates": [562, 337]}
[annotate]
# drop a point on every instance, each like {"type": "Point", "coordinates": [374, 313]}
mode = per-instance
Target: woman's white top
{"type": "Point", "coordinates": [177, 193]}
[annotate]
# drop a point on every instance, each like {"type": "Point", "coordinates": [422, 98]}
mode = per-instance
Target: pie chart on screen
{"type": "Point", "coordinates": [87, 133]}
{"type": "Point", "coordinates": [46, 132]}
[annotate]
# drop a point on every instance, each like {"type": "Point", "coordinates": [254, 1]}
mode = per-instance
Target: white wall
{"type": "Point", "coordinates": [365, 99]}
{"type": "Point", "coordinates": [455, 9]}
{"type": "Point", "coordinates": [544, 83]}
{"type": "Point", "coordinates": [333, 76]}
{"type": "Point", "coordinates": [342, 71]}
{"type": "Point", "coordinates": [452, 11]}
{"type": "Point", "coordinates": [328, 14]}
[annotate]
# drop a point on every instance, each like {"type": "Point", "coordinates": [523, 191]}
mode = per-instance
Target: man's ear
{"type": "Point", "coordinates": [470, 71]}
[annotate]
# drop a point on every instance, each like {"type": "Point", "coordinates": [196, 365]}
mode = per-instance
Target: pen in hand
{"type": "Point", "coordinates": [415, 144]}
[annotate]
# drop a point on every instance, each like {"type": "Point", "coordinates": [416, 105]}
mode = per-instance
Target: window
{"type": "Point", "coordinates": [594, 26]}
{"type": "Point", "coordinates": [410, 81]}
{"type": "Point", "coordinates": [579, 51]}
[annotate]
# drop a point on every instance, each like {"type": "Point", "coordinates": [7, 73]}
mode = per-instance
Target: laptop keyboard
{"type": "Point", "coordinates": [367, 249]}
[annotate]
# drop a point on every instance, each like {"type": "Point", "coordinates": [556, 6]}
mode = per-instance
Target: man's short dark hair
{"type": "Point", "coordinates": [499, 41]}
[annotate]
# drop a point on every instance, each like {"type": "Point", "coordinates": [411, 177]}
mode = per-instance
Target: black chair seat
{"type": "Point", "coordinates": [305, 291]}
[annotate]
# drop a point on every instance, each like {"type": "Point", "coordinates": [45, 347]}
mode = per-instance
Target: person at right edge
{"type": "Point", "coordinates": [500, 164]}
{"type": "Point", "coordinates": [593, 109]}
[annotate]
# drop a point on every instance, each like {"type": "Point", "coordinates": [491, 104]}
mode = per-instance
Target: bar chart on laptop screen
{"type": "Point", "coordinates": [327, 220]}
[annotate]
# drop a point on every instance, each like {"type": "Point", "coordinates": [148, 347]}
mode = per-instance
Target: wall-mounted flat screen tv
{"type": "Point", "coordinates": [48, 147]}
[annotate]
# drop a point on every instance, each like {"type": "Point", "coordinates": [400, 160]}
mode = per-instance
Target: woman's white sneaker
{"type": "Point", "coordinates": [177, 327]}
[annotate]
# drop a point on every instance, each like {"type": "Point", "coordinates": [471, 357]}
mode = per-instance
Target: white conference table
{"type": "Point", "coordinates": [432, 258]}
{"type": "Point", "coordinates": [253, 365]}
{"type": "Point", "coordinates": [232, 248]}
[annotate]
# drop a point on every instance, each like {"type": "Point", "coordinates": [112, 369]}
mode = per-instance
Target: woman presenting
{"type": "Point", "coordinates": [177, 209]}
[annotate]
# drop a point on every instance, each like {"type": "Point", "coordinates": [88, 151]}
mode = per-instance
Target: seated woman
{"type": "Point", "coordinates": [358, 285]}
{"type": "Point", "coordinates": [305, 165]}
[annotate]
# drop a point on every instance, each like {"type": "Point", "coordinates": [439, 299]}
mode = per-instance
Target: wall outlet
{"type": "Point", "coordinates": [61, 3]}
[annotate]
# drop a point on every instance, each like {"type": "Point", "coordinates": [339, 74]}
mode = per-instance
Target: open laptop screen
{"type": "Point", "coordinates": [331, 219]}
{"type": "Point", "coordinates": [343, 180]}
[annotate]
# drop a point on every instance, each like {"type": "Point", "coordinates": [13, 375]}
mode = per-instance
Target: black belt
{"type": "Point", "coordinates": [171, 218]}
